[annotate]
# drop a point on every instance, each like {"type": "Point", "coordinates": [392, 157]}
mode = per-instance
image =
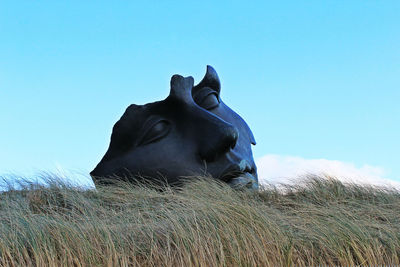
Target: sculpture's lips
{"type": "Point", "coordinates": [240, 175]}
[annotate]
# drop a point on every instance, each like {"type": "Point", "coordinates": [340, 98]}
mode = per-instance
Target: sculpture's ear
{"type": "Point", "coordinates": [210, 80]}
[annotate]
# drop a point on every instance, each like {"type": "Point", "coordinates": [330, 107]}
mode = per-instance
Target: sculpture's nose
{"type": "Point", "coordinates": [218, 138]}
{"type": "Point", "coordinates": [213, 135]}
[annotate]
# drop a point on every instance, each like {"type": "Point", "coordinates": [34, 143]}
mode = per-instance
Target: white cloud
{"type": "Point", "coordinates": [275, 169]}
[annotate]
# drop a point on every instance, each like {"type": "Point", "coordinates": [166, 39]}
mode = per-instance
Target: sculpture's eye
{"type": "Point", "coordinates": [209, 102]}
{"type": "Point", "coordinates": [155, 131]}
{"type": "Point", "coordinates": [207, 98]}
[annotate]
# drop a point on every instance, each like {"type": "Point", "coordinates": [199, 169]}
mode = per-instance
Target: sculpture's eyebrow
{"type": "Point", "coordinates": [209, 80]}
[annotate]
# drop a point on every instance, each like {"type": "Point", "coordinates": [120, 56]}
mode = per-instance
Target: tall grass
{"type": "Point", "coordinates": [322, 222]}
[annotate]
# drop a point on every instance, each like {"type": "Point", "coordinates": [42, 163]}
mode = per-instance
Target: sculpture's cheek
{"type": "Point", "coordinates": [170, 160]}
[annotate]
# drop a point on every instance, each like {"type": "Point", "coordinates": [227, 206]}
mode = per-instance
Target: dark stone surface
{"type": "Point", "coordinates": [189, 133]}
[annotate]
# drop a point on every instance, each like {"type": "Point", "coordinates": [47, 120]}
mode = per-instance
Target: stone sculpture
{"type": "Point", "coordinates": [191, 132]}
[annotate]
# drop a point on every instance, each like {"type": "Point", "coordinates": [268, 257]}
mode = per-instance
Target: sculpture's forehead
{"type": "Point", "coordinates": [136, 115]}
{"type": "Point", "coordinates": [180, 95]}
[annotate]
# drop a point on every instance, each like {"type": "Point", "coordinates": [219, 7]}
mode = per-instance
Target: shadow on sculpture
{"type": "Point", "coordinates": [192, 132]}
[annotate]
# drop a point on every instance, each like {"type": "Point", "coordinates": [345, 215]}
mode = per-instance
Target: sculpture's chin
{"type": "Point", "coordinates": [245, 180]}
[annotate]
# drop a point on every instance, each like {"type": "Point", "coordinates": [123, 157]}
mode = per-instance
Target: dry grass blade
{"type": "Point", "coordinates": [205, 223]}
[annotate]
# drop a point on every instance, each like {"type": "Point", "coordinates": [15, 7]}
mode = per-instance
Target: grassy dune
{"type": "Point", "coordinates": [203, 224]}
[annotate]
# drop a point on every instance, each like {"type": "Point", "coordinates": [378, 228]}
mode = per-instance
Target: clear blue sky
{"type": "Point", "coordinates": [314, 79]}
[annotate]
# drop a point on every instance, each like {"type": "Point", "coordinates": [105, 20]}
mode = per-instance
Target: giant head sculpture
{"type": "Point", "coordinates": [191, 132]}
